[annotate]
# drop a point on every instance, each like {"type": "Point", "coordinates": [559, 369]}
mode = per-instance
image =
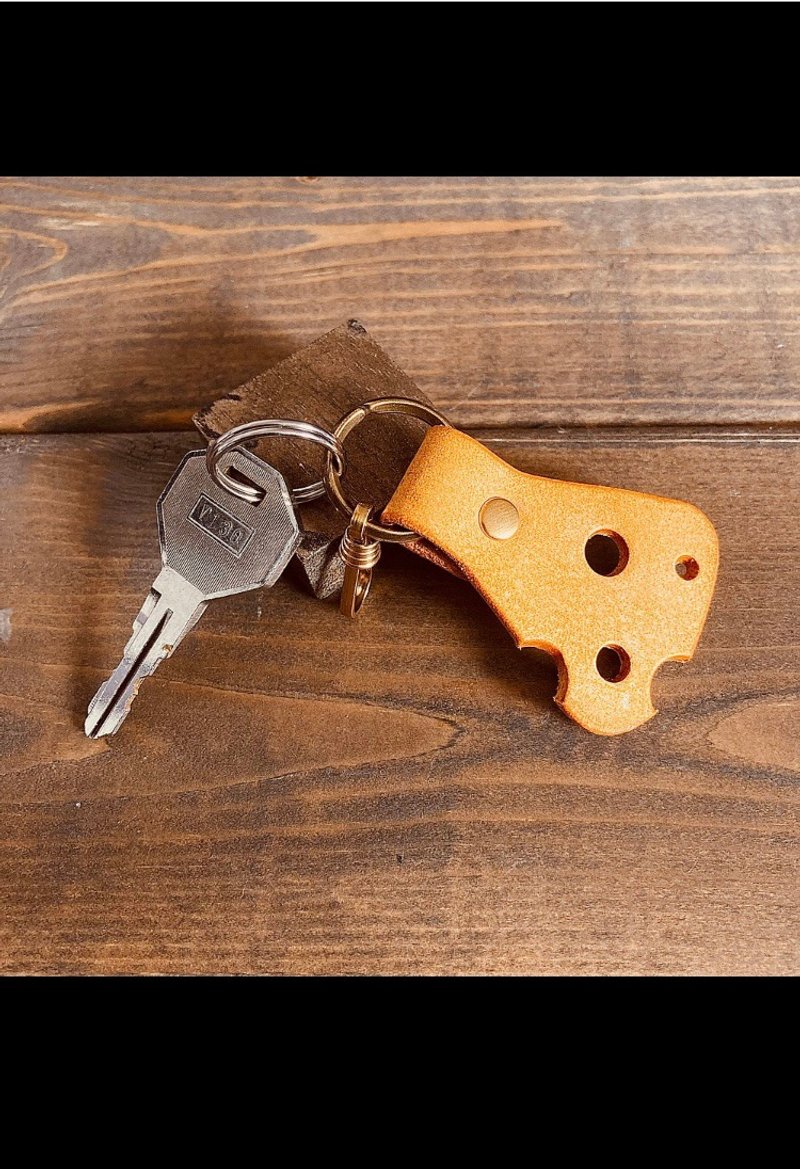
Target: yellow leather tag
{"type": "Point", "coordinates": [521, 540]}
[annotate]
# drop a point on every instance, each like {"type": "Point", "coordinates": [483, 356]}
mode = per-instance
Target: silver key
{"type": "Point", "coordinates": [213, 544]}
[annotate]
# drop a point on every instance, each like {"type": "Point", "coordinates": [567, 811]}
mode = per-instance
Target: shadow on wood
{"type": "Point", "coordinates": [203, 352]}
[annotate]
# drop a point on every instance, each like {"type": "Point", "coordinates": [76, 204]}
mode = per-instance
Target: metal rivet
{"type": "Point", "coordinates": [499, 518]}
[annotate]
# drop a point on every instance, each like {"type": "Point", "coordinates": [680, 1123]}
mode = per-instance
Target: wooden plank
{"type": "Point", "coordinates": [129, 303]}
{"type": "Point", "coordinates": [296, 793]}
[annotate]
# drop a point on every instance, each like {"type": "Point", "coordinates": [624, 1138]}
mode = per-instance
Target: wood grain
{"type": "Point", "coordinates": [127, 303]}
{"type": "Point", "coordinates": [295, 793]}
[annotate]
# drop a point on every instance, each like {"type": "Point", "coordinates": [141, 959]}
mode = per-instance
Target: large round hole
{"type": "Point", "coordinates": [687, 567]}
{"type": "Point", "coordinates": [613, 663]}
{"type": "Point", "coordinates": [606, 553]}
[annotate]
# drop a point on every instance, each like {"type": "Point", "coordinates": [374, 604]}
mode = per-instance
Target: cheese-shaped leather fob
{"type": "Point", "coordinates": [521, 540]}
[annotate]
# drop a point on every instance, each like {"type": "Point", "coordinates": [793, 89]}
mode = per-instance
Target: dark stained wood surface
{"type": "Point", "coordinates": [297, 793]}
{"type": "Point", "coordinates": [126, 304]}
{"type": "Point", "coordinates": [294, 793]}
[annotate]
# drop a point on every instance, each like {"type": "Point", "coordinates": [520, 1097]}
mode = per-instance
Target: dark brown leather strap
{"type": "Point", "coordinates": [320, 383]}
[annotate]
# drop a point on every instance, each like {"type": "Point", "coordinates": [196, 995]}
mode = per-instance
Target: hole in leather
{"type": "Point", "coordinates": [613, 663]}
{"type": "Point", "coordinates": [687, 567]}
{"type": "Point", "coordinates": [606, 553]}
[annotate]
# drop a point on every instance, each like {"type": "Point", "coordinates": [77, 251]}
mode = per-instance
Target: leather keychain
{"type": "Point", "coordinates": [521, 540]}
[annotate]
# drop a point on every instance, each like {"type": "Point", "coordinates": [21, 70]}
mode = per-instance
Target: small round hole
{"type": "Point", "coordinates": [687, 567]}
{"type": "Point", "coordinates": [613, 663]}
{"type": "Point", "coordinates": [606, 553]}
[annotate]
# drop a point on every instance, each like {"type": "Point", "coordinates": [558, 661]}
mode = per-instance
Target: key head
{"type": "Point", "coordinates": [219, 543]}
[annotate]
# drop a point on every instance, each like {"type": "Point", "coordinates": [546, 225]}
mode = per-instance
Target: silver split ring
{"type": "Point", "coordinates": [238, 436]}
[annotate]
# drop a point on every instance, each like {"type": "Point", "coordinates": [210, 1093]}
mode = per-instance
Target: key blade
{"type": "Point", "coordinates": [172, 608]}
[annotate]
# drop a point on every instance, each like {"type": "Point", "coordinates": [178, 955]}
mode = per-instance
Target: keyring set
{"type": "Point", "coordinates": [360, 545]}
{"type": "Point", "coordinates": [227, 524]}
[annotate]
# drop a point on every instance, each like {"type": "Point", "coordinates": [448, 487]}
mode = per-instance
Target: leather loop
{"type": "Point", "coordinates": [534, 573]}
